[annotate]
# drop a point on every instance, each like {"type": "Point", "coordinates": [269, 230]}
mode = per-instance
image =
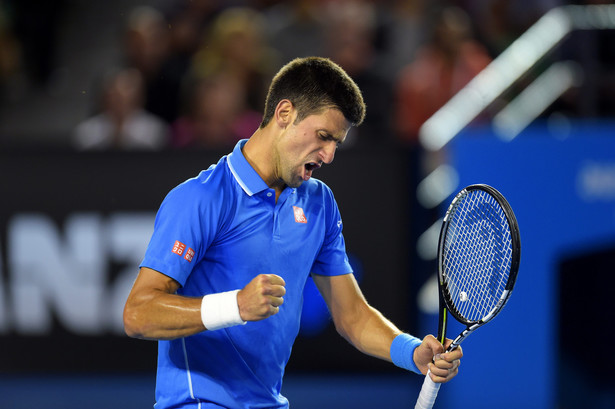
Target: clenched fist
{"type": "Point", "coordinates": [261, 298]}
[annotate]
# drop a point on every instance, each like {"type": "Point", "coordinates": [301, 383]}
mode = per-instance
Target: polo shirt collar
{"type": "Point", "coordinates": [244, 173]}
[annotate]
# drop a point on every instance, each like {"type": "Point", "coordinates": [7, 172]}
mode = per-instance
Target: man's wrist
{"type": "Point", "coordinates": [220, 310]}
{"type": "Point", "coordinates": [402, 352]}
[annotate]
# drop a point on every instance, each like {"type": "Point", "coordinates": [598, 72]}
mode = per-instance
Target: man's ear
{"type": "Point", "coordinates": [284, 113]}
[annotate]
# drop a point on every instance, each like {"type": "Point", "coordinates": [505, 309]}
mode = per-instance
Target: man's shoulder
{"type": "Point", "coordinates": [211, 182]}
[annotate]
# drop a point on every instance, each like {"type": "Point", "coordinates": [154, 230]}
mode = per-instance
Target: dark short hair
{"type": "Point", "coordinates": [313, 84]}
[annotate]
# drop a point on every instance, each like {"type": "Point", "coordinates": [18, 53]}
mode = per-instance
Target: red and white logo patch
{"type": "Point", "coordinates": [299, 215]}
{"type": "Point", "coordinates": [179, 248]}
{"type": "Point", "coordinates": [189, 254]}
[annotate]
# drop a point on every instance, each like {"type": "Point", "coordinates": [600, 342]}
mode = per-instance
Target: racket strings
{"type": "Point", "coordinates": [477, 255]}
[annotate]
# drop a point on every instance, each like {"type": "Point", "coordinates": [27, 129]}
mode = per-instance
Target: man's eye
{"type": "Point", "coordinates": [327, 137]}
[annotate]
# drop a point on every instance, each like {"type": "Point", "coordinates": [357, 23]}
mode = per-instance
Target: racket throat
{"type": "Point", "coordinates": [442, 325]}
{"type": "Point", "coordinates": [457, 341]}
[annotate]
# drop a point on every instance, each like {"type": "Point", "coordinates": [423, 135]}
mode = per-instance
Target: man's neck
{"type": "Point", "coordinates": [258, 151]}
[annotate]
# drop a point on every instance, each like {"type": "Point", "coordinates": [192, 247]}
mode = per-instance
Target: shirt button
{"type": "Point", "coordinates": [269, 194]}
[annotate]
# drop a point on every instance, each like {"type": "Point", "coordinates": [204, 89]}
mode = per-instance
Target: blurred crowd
{"type": "Point", "coordinates": [194, 73]}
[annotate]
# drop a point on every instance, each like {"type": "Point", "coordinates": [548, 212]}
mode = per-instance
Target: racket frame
{"type": "Point", "coordinates": [429, 390]}
{"type": "Point", "coordinates": [445, 300]}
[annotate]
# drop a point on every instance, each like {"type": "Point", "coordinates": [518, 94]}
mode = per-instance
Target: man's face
{"type": "Point", "coordinates": [305, 146]}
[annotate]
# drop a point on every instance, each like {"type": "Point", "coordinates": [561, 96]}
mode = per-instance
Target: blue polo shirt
{"type": "Point", "coordinates": [215, 233]}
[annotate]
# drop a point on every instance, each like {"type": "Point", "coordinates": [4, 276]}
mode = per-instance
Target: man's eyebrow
{"type": "Point", "coordinates": [330, 136]}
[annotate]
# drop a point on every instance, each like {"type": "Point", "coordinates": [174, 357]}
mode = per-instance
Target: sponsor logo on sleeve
{"type": "Point", "coordinates": [181, 249]}
{"type": "Point", "coordinates": [189, 254]}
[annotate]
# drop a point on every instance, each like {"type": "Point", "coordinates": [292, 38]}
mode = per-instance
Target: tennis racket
{"type": "Point", "coordinates": [478, 259]}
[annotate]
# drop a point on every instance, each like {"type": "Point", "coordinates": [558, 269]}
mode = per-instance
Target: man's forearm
{"type": "Point", "coordinates": [162, 316]}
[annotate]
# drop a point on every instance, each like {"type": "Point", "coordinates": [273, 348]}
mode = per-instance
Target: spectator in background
{"type": "Point", "coordinates": [350, 29]}
{"type": "Point", "coordinates": [295, 28]}
{"type": "Point", "coordinates": [442, 67]}
{"type": "Point", "coordinates": [405, 30]}
{"type": "Point", "coordinates": [237, 45]}
{"type": "Point", "coordinates": [187, 24]}
{"type": "Point", "coordinates": [123, 123]}
{"type": "Point", "coordinates": [217, 115]}
{"type": "Point", "coordinates": [146, 40]}
{"type": "Point", "coordinates": [146, 47]}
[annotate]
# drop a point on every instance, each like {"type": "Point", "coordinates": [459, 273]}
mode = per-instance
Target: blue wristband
{"type": "Point", "coordinates": [402, 352]}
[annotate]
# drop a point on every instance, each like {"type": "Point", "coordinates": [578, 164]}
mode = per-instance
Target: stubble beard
{"type": "Point", "coordinates": [285, 173]}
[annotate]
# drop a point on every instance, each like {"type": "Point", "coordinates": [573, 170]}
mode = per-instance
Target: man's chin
{"type": "Point", "coordinates": [295, 183]}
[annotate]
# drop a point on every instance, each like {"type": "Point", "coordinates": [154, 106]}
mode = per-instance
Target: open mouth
{"type": "Point", "coordinates": [309, 168]}
{"type": "Point", "coordinates": [312, 166]}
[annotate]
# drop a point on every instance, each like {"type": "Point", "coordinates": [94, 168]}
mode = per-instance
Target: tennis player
{"type": "Point", "coordinates": [222, 279]}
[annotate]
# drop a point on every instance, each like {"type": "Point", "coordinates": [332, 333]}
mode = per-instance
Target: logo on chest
{"type": "Point", "coordinates": [299, 215]}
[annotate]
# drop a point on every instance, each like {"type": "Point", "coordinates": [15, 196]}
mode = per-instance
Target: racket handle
{"type": "Point", "coordinates": [428, 394]}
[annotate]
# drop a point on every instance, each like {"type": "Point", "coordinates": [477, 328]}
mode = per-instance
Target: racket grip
{"type": "Point", "coordinates": [429, 392]}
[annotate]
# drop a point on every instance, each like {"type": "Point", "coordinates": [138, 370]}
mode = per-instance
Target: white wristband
{"type": "Point", "coordinates": [220, 310]}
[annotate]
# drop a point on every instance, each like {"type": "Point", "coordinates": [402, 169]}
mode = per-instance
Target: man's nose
{"type": "Point", "coordinates": [327, 153]}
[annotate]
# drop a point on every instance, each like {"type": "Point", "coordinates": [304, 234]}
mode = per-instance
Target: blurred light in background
{"type": "Point", "coordinates": [535, 98]}
{"type": "Point", "coordinates": [437, 186]}
{"type": "Point", "coordinates": [510, 66]}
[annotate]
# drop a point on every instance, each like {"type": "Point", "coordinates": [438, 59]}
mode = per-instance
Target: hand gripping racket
{"type": "Point", "coordinates": [478, 259]}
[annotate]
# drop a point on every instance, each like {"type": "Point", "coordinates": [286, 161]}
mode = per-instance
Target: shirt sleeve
{"type": "Point", "coordinates": [183, 230]}
{"type": "Point", "coordinates": [332, 259]}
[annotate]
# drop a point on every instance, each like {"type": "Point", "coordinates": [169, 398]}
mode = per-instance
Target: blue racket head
{"type": "Point", "coordinates": [478, 254]}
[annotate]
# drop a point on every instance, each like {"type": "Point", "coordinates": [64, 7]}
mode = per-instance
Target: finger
{"type": "Point", "coordinates": [275, 290]}
{"type": "Point", "coordinates": [453, 355]}
{"type": "Point", "coordinates": [425, 352]}
{"type": "Point", "coordinates": [276, 301]}
{"type": "Point", "coordinates": [457, 352]}
{"type": "Point", "coordinates": [440, 375]}
{"type": "Point", "coordinates": [271, 307]}
{"type": "Point", "coordinates": [433, 344]}
{"type": "Point", "coordinates": [437, 375]}
{"type": "Point", "coordinates": [273, 310]}
{"type": "Point", "coordinates": [275, 279]}
{"type": "Point", "coordinates": [441, 362]}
